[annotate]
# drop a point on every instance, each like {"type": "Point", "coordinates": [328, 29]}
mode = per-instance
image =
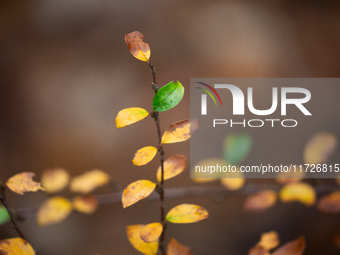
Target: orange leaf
{"type": "Point", "coordinates": [172, 166]}
{"type": "Point", "coordinates": [137, 47]}
{"type": "Point", "coordinates": [16, 246]}
{"type": "Point", "coordinates": [151, 232]}
{"type": "Point", "coordinates": [186, 213]}
{"type": "Point", "coordinates": [89, 181]}
{"type": "Point", "coordinates": [269, 240]}
{"type": "Point", "coordinates": [261, 200]}
{"type": "Point", "coordinates": [180, 131]}
{"type": "Point", "coordinates": [144, 155]}
{"type": "Point", "coordinates": [175, 248]}
{"type": "Point", "coordinates": [136, 191]}
{"type": "Point", "coordinates": [133, 233]}
{"type": "Point", "coordinates": [301, 192]}
{"type": "Point", "coordinates": [85, 204]}
{"type": "Point", "coordinates": [258, 250]}
{"type": "Point", "coordinates": [23, 182]}
{"type": "Point", "coordinates": [53, 210]}
{"type": "Point", "coordinates": [288, 177]}
{"type": "Point", "coordinates": [55, 180]}
{"type": "Point", "coordinates": [330, 203]}
{"type": "Point", "coordinates": [295, 247]}
{"type": "Point", "coordinates": [336, 240]}
{"type": "Point", "coordinates": [129, 116]}
{"type": "Point", "coordinates": [319, 147]}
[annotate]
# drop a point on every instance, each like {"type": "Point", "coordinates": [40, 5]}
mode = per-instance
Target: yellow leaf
{"type": "Point", "coordinates": [258, 250]}
{"type": "Point", "coordinates": [261, 200]}
{"type": "Point", "coordinates": [330, 203]}
{"type": "Point", "coordinates": [89, 181]}
{"type": "Point", "coordinates": [180, 131]}
{"type": "Point", "coordinates": [234, 180]}
{"type": "Point", "coordinates": [288, 177]}
{"type": "Point", "coordinates": [53, 210]}
{"type": "Point", "coordinates": [301, 192]}
{"type": "Point", "coordinates": [319, 147]}
{"type": "Point", "coordinates": [137, 47]}
{"type": "Point", "coordinates": [133, 233]}
{"type": "Point", "coordinates": [186, 213]}
{"type": "Point", "coordinates": [15, 246]}
{"type": "Point", "coordinates": [85, 204]}
{"type": "Point", "coordinates": [295, 247]}
{"type": "Point", "coordinates": [269, 240]}
{"type": "Point", "coordinates": [55, 180]}
{"type": "Point", "coordinates": [129, 116]}
{"type": "Point", "coordinates": [151, 232]}
{"type": "Point", "coordinates": [172, 166]}
{"type": "Point", "coordinates": [137, 191]}
{"type": "Point", "coordinates": [144, 155]}
{"type": "Point", "coordinates": [23, 182]}
{"type": "Point", "coordinates": [175, 248]}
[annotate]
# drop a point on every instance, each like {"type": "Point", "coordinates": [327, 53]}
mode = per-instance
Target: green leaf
{"type": "Point", "coordinates": [4, 216]}
{"type": "Point", "coordinates": [168, 96]}
{"type": "Point", "coordinates": [236, 147]}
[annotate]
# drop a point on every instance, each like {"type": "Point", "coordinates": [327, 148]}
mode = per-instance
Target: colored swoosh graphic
{"type": "Point", "coordinates": [208, 86]}
{"type": "Point", "coordinates": [208, 92]}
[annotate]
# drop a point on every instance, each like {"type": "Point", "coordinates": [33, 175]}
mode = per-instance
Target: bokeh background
{"type": "Point", "coordinates": [66, 72]}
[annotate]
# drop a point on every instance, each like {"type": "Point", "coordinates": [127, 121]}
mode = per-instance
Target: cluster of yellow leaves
{"type": "Point", "coordinates": [16, 246]}
{"type": "Point", "coordinates": [271, 240]}
{"type": "Point", "coordinates": [56, 208]}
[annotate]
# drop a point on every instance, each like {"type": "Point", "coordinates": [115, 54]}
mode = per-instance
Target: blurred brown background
{"type": "Point", "coordinates": [66, 72]}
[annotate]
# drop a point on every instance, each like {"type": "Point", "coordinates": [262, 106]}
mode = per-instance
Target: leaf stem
{"type": "Point", "coordinates": [155, 115]}
{"type": "Point", "coordinates": [9, 210]}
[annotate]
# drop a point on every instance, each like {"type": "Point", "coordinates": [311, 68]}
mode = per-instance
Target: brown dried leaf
{"type": "Point", "coordinates": [330, 203]}
{"type": "Point", "coordinates": [319, 148]}
{"type": "Point", "coordinates": [295, 247]}
{"type": "Point", "coordinates": [180, 131]}
{"type": "Point", "coordinates": [137, 47]}
{"type": "Point", "coordinates": [23, 182]}
{"type": "Point", "coordinates": [172, 166]}
{"type": "Point", "coordinates": [261, 200]}
{"type": "Point", "coordinates": [175, 248]}
{"type": "Point", "coordinates": [55, 179]}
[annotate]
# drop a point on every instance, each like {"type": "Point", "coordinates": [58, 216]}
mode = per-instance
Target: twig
{"type": "Point", "coordinates": [9, 210]}
{"type": "Point", "coordinates": [155, 115]}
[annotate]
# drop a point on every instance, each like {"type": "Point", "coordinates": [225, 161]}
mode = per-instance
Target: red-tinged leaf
{"type": "Point", "coordinates": [23, 182]}
{"type": "Point", "coordinates": [180, 131]}
{"type": "Point", "coordinates": [137, 47]}
{"type": "Point", "coordinates": [129, 116]}
{"type": "Point", "coordinates": [295, 247]}
{"type": "Point", "coordinates": [15, 246]}
{"type": "Point", "coordinates": [186, 213]}
{"type": "Point", "coordinates": [151, 232]}
{"type": "Point", "coordinates": [144, 155]}
{"type": "Point", "coordinates": [261, 200]}
{"type": "Point", "coordinates": [301, 192]}
{"type": "Point", "coordinates": [85, 204]}
{"type": "Point", "coordinates": [258, 250]}
{"type": "Point", "coordinates": [319, 147]}
{"type": "Point", "coordinates": [133, 233]}
{"type": "Point", "coordinates": [175, 248]}
{"type": "Point", "coordinates": [136, 191]}
{"type": "Point", "coordinates": [173, 166]}
{"type": "Point", "coordinates": [330, 203]}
